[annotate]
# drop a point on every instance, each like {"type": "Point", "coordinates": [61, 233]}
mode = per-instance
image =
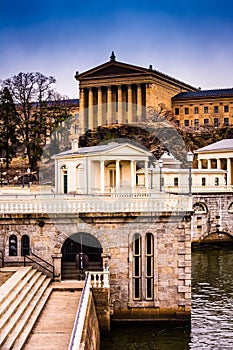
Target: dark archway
{"type": "Point", "coordinates": [80, 243]}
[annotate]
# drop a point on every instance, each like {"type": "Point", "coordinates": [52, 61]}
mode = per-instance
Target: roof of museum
{"type": "Point", "coordinates": [204, 94]}
{"type": "Point", "coordinates": [223, 145]}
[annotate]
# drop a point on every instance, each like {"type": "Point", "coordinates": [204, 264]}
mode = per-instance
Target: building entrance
{"type": "Point", "coordinates": [81, 252]}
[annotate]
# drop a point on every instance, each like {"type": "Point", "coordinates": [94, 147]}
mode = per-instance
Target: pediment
{"type": "Point", "coordinates": [128, 150]}
{"type": "Point", "coordinates": [112, 69]}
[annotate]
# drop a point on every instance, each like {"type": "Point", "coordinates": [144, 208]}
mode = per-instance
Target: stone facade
{"type": "Point", "coordinates": [171, 254]}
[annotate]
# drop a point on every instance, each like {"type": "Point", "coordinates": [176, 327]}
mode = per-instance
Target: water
{"type": "Point", "coordinates": [212, 311]}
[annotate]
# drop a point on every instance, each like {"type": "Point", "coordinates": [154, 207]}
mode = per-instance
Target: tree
{"type": "Point", "coordinates": [9, 120]}
{"type": "Point", "coordinates": [34, 98]}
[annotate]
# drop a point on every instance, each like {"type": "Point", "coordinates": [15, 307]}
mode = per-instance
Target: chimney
{"type": "Point", "coordinates": [74, 146]}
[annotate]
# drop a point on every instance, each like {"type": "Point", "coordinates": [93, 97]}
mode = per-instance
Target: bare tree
{"type": "Point", "coordinates": [33, 95]}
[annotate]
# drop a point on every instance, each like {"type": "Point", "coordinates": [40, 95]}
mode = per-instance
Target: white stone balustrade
{"type": "Point", "coordinates": [73, 204]}
{"type": "Point", "coordinates": [100, 279]}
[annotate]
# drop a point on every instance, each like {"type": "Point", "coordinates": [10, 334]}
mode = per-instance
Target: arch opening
{"type": "Point", "coordinates": [80, 252]}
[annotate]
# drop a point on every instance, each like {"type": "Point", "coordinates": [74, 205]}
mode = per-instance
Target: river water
{"type": "Point", "coordinates": [212, 311]}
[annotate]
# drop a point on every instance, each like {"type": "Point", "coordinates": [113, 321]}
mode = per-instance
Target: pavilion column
{"type": "Point", "coordinates": [218, 163]}
{"type": "Point", "coordinates": [199, 162]}
{"type": "Point", "coordinates": [102, 178]}
{"type": "Point", "coordinates": [133, 174]}
{"type": "Point", "coordinates": [146, 175]}
{"type": "Point", "coordinates": [90, 109]}
{"type": "Point", "coordinates": [100, 107]}
{"type": "Point", "coordinates": [139, 102]}
{"type": "Point", "coordinates": [209, 163]}
{"type": "Point", "coordinates": [109, 104]}
{"type": "Point", "coordinates": [228, 171]}
{"type": "Point", "coordinates": [117, 174]}
{"type": "Point", "coordinates": [81, 110]}
{"type": "Point", "coordinates": [130, 104]}
{"type": "Point", "coordinates": [119, 105]}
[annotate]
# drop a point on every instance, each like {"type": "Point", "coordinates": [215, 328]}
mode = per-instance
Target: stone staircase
{"type": "Point", "coordinates": [22, 297]}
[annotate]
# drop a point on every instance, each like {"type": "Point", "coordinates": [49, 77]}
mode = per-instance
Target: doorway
{"type": "Point", "coordinates": [81, 243]}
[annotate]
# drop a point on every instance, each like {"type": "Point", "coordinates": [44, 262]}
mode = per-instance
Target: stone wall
{"type": "Point", "coordinates": [215, 221]}
{"type": "Point", "coordinates": [171, 255]}
{"type": "Point", "coordinates": [91, 333]}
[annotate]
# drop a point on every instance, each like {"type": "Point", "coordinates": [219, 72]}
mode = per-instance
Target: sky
{"type": "Point", "coordinates": [190, 40]}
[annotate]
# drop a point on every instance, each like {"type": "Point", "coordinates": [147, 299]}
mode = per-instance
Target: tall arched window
{"type": "Point", "coordinates": [149, 266]}
{"type": "Point", "coordinates": [25, 245]}
{"type": "Point", "coordinates": [137, 278]}
{"type": "Point", "coordinates": [13, 245]}
{"type": "Point", "coordinates": [64, 179]}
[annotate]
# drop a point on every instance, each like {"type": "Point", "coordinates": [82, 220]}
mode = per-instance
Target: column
{"type": "Point", "coordinates": [81, 110]}
{"type": "Point", "coordinates": [109, 104]}
{"type": "Point", "coordinates": [199, 163]}
{"type": "Point", "coordinates": [90, 109]}
{"type": "Point", "coordinates": [117, 174]}
{"type": "Point", "coordinates": [57, 266]}
{"type": "Point", "coordinates": [218, 163]}
{"type": "Point", "coordinates": [100, 107]}
{"type": "Point", "coordinates": [146, 175]}
{"type": "Point", "coordinates": [132, 174]}
{"type": "Point", "coordinates": [130, 104]}
{"type": "Point", "coordinates": [139, 102]}
{"type": "Point", "coordinates": [208, 163]}
{"type": "Point", "coordinates": [102, 182]}
{"type": "Point", "coordinates": [119, 104]}
{"type": "Point", "coordinates": [57, 176]}
{"type": "Point", "coordinates": [228, 171]}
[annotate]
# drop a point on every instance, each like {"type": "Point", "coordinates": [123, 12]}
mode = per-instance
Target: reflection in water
{"type": "Point", "coordinates": [212, 298]}
{"type": "Point", "coordinates": [212, 313]}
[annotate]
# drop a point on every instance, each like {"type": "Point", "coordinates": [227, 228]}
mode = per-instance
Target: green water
{"type": "Point", "coordinates": [212, 312]}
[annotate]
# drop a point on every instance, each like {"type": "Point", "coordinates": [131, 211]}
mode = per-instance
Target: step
{"type": "Point", "coordinates": [12, 282]}
{"type": "Point", "coordinates": [12, 308]}
{"type": "Point", "coordinates": [22, 309]}
{"type": "Point", "coordinates": [15, 292]}
{"type": "Point", "coordinates": [21, 340]}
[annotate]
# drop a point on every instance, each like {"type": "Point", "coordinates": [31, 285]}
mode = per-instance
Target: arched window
{"type": "Point", "coordinates": [13, 245]}
{"type": "Point", "coordinates": [230, 208]}
{"type": "Point", "coordinates": [149, 252]}
{"type": "Point", "coordinates": [137, 279]}
{"type": "Point", "coordinates": [200, 208]}
{"type": "Point", "coordinates": [64, 178]}
{"type": "Point", "coordinates": [25, 245]}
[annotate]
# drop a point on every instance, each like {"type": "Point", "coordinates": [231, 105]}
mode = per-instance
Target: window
{"type": "Point", "coordinates": [177, 122]}
{"type": "Point", "coordinates": [196, 122]}
{"type": "Point", "coordinates": [176, 181]}
{"type": "Point", "coordinates": [215, 109]}
{"type": "Point", "coordinates": [13, 245]}
{"type": "Point", "coordinates": [226, 121]}
{"type": "Point", "coordinates": [149, 266]}
{"type": "Point", "coordinates": [186, 110]}
{"type": "Point", "coordinates": [203, 181]}
{"type": "Point", "coordinates": [216, 122]}
{"type": "Point", "coordinates": [186, 122]}
{"type": "Point", "coordinates": [177, 111]}
{"type": "Point", "coordinates": [196, 110]}
{"type": "Point", "coordinates": [206, 122]}
{"type": "Point", "coordinates": [25, 245]}
{"type": "Point", "coordinates": [216, 181]}
{"type": "Point", "coordinates": [226, 109]}
{"type": "Point", "coordinates": [206, 109]}
{"type": "Point", "coordinates": [137, 267]}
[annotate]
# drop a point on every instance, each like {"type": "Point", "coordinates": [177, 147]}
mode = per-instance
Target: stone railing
{"type": "Point", "coordinates": [73, 204]}
{"type": "Point", "coordinates": [76, 335]}
{"type": "Point", "coordinates": [100, 279]}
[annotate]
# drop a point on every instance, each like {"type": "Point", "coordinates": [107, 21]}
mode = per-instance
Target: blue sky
{"type": "Point", "coordinates": [190, 40]}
